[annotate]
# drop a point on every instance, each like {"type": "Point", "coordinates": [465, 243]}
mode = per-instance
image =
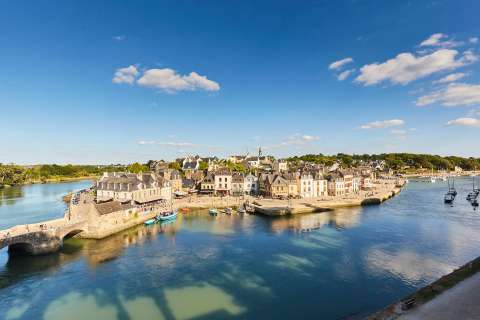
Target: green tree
{"type": "Point", "coordinates": [137, 167]}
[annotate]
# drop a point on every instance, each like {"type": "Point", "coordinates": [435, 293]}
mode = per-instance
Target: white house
{"type": "Point", "coordinates": [306, 186]}
{"type": "Point", "coordinates": [250, 184]}
{"type": "Point", "coordinates": [223, 182]}
{"type": "Point", "coordinates": [280, 166]}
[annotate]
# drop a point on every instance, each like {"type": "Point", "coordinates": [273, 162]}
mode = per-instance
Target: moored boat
{"type": "Point", "coordinates": [149, 222]}
{"type": "Point", "coordinates": [213, 211]}
{"type": "Point", "coordinates": [241, 210]}
{"type": "Point", "coordinates": [167, 216]}
{"type": "Point", "coordinates": [449, 197]}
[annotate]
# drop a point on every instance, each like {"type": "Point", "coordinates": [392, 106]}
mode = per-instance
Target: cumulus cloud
{"type": "Point", "coordinates": [469, 122]}
{"type": "Point", "coordinates": [451, 78]}
{"type": "Point", "coordinates": [126, 75]}
{"type": "Point", "coordinates": [407, 67]}
{"type": "Point", "coordinates": [473, 40]}
{"type": "Point", "coordinates": [345, 74]}
{"type": "Point", "coordinates": [455, 94]}
{"type": "Point", "coordinates": [338, 64]}
{"type": "Point", "coordinates": [170, 81]}
{"type": "Point", "coordinates": [383, 124]}
{"type": "Point", "coordinates": [440, 40]}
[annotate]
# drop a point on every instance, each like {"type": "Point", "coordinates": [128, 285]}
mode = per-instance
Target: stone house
{"type": "Point", "coordinates": [335, 184]}
{"type": "Point", "coordinates": [207, 186]}
{"type": "Point", "coordinates": [128, 187]}
{"type": "Point", "coordinates": [279, 187]}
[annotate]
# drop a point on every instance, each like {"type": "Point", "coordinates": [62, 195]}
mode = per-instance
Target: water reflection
{"type": "Point", "coordinates": [8, 196]}
{"type": "Point", "coordinates": [339, 218]}
{"type": "Point", "coordinates": [343, 262]}
{"type": "Point", "coordinates": [34, 203]}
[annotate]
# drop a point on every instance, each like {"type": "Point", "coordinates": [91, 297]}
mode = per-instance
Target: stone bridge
{"type": "Point", "coordinates": [40, 238]}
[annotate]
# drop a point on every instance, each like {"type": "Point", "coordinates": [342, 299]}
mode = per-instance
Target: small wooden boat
{"type": "Point", "coordinates": [213, 211]}
{"type": "Point", "coordinates": [172, 215]}
{"type": "Point", "coordinates": [149, 222]}
{"type": "Point", "coordinates": [185, 209]}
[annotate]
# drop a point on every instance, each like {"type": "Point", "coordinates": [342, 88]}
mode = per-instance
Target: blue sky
{"type": "Point", "coordinates": [123, 81]}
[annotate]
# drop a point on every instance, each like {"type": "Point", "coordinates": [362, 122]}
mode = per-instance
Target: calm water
{"type": "Point", "coordinates": [34, 203]}
{"type": "Point", "coordinates": [341, 264]}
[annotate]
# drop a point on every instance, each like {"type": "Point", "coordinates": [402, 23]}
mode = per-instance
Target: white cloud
{"type": "Point", "coordinates": [170, 81]}
{"type": "Point", "coordinates": [144, 142]}
{"type": "Point", "coordinates": [433, 40]}
{"type": "Point", "coordinates": [440, 40]}
{"type": "Point", "coordinates": [168, 144]}
{"type": "Point", "coordinates": [382, 124]}
{"type": "Point", "coordinates": [399, 132]}
{"type": "Point", "coordinates": [126, 75]}
{"type": "Point", "coordinates": [451, 78]}
{"type": "Point", "coordinates": [345, 74]}
{"type": "Point", "coordinates": [473, 40]}
{"type": "Point", "coordinates": [337, 64]}
{"type": "Point", "coordinates": [119, 38]}
{"type": "Point", "coordinates": [455, 94]}
{"type": "Point", "coordinates": [407, 67]}
{"type": "Point", "coordinates": [298, 139]}
{"type": "Point", "coordinates": [469, 122]}
{"type": "Point", "coordinates": [407, 265]}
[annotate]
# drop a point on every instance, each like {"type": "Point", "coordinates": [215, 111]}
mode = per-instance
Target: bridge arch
{"type": "Point", "coordinates": [72, 233]}
{"type": "Point", "coordinates": [21, 248]}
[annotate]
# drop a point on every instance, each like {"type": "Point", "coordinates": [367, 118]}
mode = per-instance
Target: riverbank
{"type": "Point", "coordinates": [59, 179]}
{"type": "Point", "coordinates": [382, 192]}
{"type": "Point", "coordinates": [455, 294]}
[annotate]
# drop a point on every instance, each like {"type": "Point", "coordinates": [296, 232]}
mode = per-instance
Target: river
{"type": "Point", "coordinates": [334, 265]}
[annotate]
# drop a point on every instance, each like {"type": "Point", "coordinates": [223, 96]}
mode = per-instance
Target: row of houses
{"type": "Point", "coordinates": [138, 188]}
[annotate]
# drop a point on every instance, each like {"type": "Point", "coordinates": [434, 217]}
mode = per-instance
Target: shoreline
{"type": "Point", "coordinates": [428, 293]}
{"type": "Point", "coordinates": [276, 207]}
{"type": "Point", "coordinates": [50, 181]}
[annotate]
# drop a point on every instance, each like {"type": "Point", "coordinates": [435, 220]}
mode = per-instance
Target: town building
{"type": "Point", "coordinates": [306, 186]}
{"type": "Point", "coordinates": [250, 184]}
{"type": "Point", "coordinates": [127, 187]}
{"type": "Point", "coordinates": [335, 184]}
{"type": "Point", "coordinates": [207, 186]}
{"type": "Point", "coordinates": [223, 182]}
{"type": "Point", "coordinates": [238, 183]}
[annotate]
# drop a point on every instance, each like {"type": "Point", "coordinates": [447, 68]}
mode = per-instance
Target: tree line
{"type": "Point", "coordinates": [11, 174]}
{"type": "Point", "coordinates": [395, 161]}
